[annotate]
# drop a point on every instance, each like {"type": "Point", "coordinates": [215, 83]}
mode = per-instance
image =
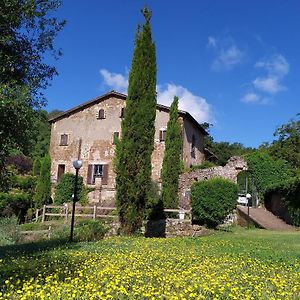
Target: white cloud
{"type": "Point", "coordinates": [228, 55]}
{"type": "Point", "coordinates": [195, 105]}
{"type": "Point", "coordinates": [116, 81]}
{"type": "Point", "coordinates": [277, 65]}
{"type": "Point", "coordinates": [212, 42]}
{"type": "Point", "coordinates": [276, 68]}
{"type": "Point", "coordinates": [269, 85]}
{"type": "Point", "coordinates": [251, 98]}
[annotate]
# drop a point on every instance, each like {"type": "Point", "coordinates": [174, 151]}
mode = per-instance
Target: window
{"type": "Point", "coordinates": [193, 147]}
{"type": "Point", "coordinates": [116, 136]}
{"type": "Point", "coordinates": [162, 135]}
{"type": "Point", "coordinates": [122, 112]}
{"type": "Point", "coordinates": [101, 114]}
{"type": "Point", "coordinates": [60, 171]}
{"type": "Point", "coordinates": [63, 140]}
{"type": "Point", "coordinates": [97, 171]}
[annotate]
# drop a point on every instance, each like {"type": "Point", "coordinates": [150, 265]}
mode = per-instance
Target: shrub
{"type": "Point", "coordinates": [10, 232]}
{"type": "Point", "coordinates": [36, 168]}
{"type": "Point", "coordinates": [90, 230]}
{"type": "Point", "coordinates": [213, 200]}
{"type": "Point", "coordinates": [290, 191]}
{"type": "Point", "coordinates": [61, 232]}
{"type": "Point", "coordinates": [65, 189]}
{"type": "Point", "coordinates": [24, 183]}
{"type": "Point", "coordinates": [20, 162]}
{"type": "Point", "coordinates": [14, 205]}
{"type": "Point", "coordinates": [267, 171]}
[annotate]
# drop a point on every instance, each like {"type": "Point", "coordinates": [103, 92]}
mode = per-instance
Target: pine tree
{"type": "Point", "coordinates": [133, 155]}
{"type": "Point", "coordinates": [171, 163]}
{"type": "Point", "coordinates": [43, 186]}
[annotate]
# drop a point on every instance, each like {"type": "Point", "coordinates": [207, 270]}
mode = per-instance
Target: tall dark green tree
{"type": "Point", "coordinates": [171, 163]}
{"type": "Point", "coordinates": [43, 186]}
{"type": "Point", "coordinates": [133, 157]}
{"type": "Point", "coordinates": [27, 32]}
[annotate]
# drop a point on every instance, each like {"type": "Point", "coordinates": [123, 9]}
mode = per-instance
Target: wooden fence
{"type": "Point", "coordinates": [94, 212]}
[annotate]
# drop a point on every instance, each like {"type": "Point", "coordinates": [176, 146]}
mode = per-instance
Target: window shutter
{"type": "Point", "coordinates": [90, 174]}
{"type": "Point", "coordinates": [105, 174]}
{"type": "Point", "coordinates": [160, 135]}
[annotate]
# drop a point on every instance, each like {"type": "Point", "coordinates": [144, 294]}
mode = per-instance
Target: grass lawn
{"type": "Point", "coordinates": [241, 264]}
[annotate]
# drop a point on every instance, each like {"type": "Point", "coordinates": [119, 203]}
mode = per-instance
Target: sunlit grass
{"type": "Point", "coordinates": [242, 264]}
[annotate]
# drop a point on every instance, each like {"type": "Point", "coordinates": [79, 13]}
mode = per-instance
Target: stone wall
{"type": "Point", "coordinates": [164, 228]}
{"type": "Point", "coordinates": [230, 171]}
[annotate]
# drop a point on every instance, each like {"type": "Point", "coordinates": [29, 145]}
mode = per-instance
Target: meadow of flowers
{"type": "Point", "coordinates": [243, 264]}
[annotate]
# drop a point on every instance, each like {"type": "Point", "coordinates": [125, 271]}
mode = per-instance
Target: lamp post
{"type": "Point", "coordinates": [77, 164]}
{"type": "Point", "coordinates": [248, 196]}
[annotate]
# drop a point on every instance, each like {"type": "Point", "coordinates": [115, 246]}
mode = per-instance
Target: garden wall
{"type": "Point", "coordinates": [234, 166]}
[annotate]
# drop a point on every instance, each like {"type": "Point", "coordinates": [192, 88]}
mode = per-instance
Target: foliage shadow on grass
{"type": "Point", "coordinates": [43, 260]}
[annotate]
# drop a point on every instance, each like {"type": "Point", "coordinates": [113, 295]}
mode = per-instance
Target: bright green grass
{"type": "Point", "coordinates": [240, 264]}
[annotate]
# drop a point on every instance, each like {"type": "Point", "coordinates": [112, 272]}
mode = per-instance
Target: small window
{"type": "Point", "coordinates": [63, 140]}
{"type": "Point", "coordinates": [162, 135]}
{"type": "Point", "coordinates": [101, 114]}
{"type": "Point", "coordinates": [122, 112]}
{"type": "Point", "coordinates": [116, 136]}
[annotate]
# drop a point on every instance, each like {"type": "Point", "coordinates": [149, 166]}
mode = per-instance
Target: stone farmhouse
{"type": "Point", "coordinates": [88, 132]}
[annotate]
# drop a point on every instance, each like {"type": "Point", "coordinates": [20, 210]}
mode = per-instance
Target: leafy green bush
{"type": "Point", "coordinates": [90, 230]}
{"type": "Point", "coordinates": [14, 204]}
{"type": "Point", "coordinates": [61, 232]}
{"type": "Point", "coordinates": [65, 188]}
{"type": "Point", "coordinates": [36, 168]}
{"type": "Point", "coordinates": [290, 192]}
{"type": "Point", "coordinates": [212, 200]}
{"type": "Point", "coordinates": [10, 232]}
{"type": "Point", "coordinates": [267, 171]}
{"type": "Point", "coordinates": [24, 183]}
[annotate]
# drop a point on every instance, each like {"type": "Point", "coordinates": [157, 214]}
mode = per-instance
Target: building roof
{"type": "Point", "coordinates": [113, 93]}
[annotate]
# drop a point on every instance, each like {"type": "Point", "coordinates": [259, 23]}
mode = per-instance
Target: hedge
{"type": "Point", "coordinates": [212, 200]}
{"type": "Point", "coordinates": [65, 189]}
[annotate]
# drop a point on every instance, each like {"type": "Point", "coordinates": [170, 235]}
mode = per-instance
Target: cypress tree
{"type": "Point", "coordinates": [134, 149]}
{"type": "Point", "coordinates": [43, 186]}
{"type": "Point", "coordinates": [171, 163]}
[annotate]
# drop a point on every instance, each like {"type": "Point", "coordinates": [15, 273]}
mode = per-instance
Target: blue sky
{"type": "Point", "coordinates": [232, 63]}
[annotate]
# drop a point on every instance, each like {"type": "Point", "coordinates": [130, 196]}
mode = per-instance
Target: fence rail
{"type": "Point", "coordinates": [95, 212]}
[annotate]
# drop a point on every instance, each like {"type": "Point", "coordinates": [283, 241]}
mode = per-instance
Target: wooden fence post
{"type": "Point", "coordinates": [36, 215]}
{"type": "Point", "coordinates": [44, 211]}
{"type": "Point", "coordinates": [95, 212]}
{"type": "Point", "coordinates": [67, 213]}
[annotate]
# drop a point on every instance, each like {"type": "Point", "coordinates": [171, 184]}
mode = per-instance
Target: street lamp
{"type": "Point", "coordinates": [248, 196]}
{"type": "Point", "coordinates": [77, 164]}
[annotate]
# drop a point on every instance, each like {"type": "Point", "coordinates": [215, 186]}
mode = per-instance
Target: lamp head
{"type": "Point", "coordinates": [248, 196]}
{"type": "Point", "coordinates": [77, 164]}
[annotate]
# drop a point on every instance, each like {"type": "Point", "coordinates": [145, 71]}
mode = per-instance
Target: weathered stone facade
{"type": "Point", "coordinates": [230, 171]}
{"type": "Point", "coordinates": [87, 131]}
